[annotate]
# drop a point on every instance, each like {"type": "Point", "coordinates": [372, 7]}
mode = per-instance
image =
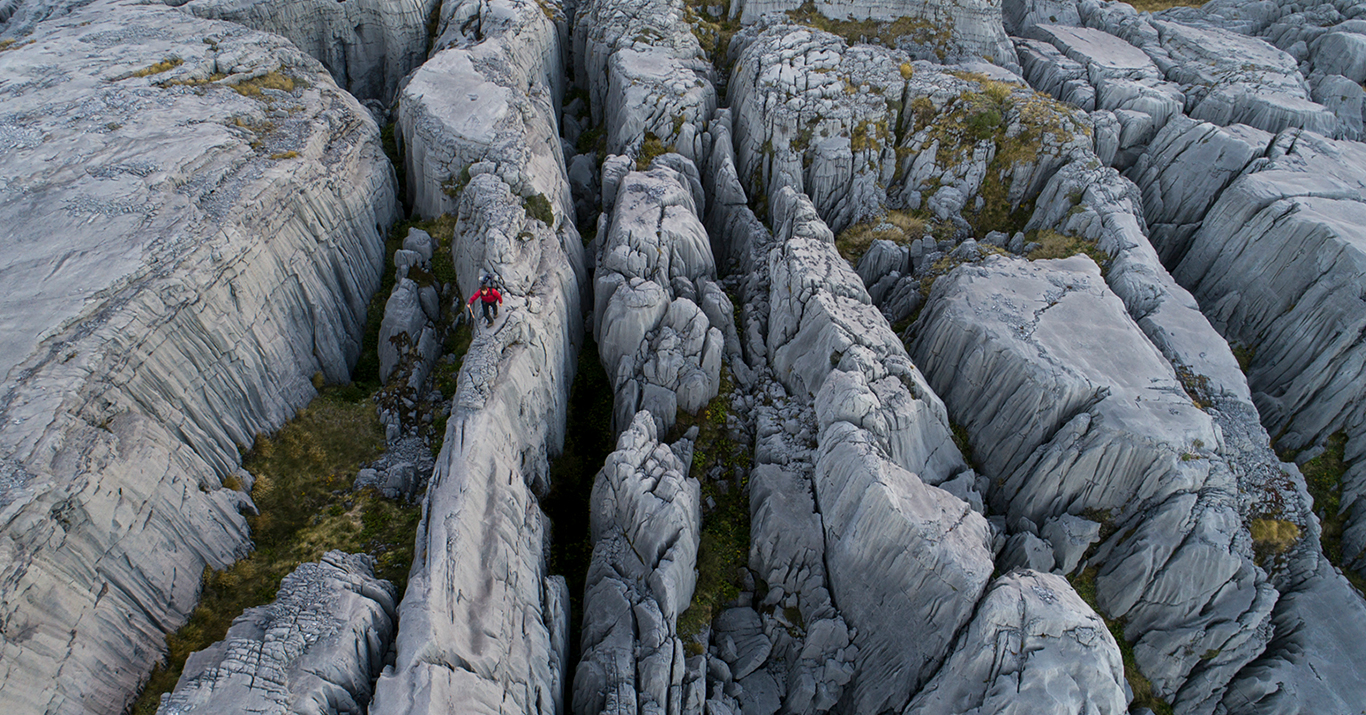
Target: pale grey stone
{"type": "Point", "coordinates": [1086, 382]}
{"type": "Point", "coordinates": [646, 523]}
{"type": "Point", "coordinates": [881, 258]}
{"type": "Point", "coordinates": [1026, 551]}
{"type": "Point", "coordinates": [367, 46]}
{"type": "Point", "coordinates": [488, 95]}
{"type": "Point", "coordinates": [1033, 646]}
{"type": "Point", "coordinates": [508, 414]}
{"type": "Point", "coordinates": [1344, 98]}
{"type": "Point", "coordinates": [1070, 537]}
{"type": "Point", "coordinates": [1342, 53]}
{"type": "Point", "coordinates": [168, 290]}
{"type": "Point", "coordinates": [419, 241]}
{"type": "Point", "coordinates": [316, 649]}
{"type": "Point", "coordinates": [1317, 666]}
{"type": "Point", "coordinates": [1185, 170]}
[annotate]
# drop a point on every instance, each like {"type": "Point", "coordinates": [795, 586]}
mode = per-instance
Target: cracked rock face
{"type": "Point", "coordinates": [943, 31]}
{"type": "Point", "coordinates": [206, 210]}
{"type": "Point", "coordinates": [1103, 425]}
{"type": "Point", "coordinates": [478, 636]}
{"type": "Point", "coordinates": [486, 102]}
{"type": "Point", "coordinates": [316, 649]}
{"type": "Point", "coordinates": [660, 318]}
{"type": "Point", "coordinates": [646, 518]}
{"type": "Point", "coordinates": [367, 46]}
{"type": "Point", "coordinates": [1033, 646]}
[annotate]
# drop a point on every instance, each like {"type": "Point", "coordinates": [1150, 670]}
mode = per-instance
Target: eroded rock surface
{"type": "Point", "coordinates": [316, 649]}
{"type": "Point", "coordinates": [1034, 646]}
{"type": "Point", "coordinates": [367, 46]}
{"type": "Point", "coordinates": [1101, 424]}
{"type": "Point", "coordinates": [646, 518]}
{"type": "Point", "coordinates": [475, 636]}
{"type": "Point", "coordinates": [189, 244]}
{"type": "Point", "coordinates": [660, 319]}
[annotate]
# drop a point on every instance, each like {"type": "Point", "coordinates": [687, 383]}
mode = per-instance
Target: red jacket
{"type": "Point", "coordinates": [488, 295]}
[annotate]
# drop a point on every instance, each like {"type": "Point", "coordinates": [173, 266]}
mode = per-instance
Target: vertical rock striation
{"type": "Point", "coordinates": [1034, 646]}
{"type": "Point", "coordinates": [883, 439]}
{"type": "Point", "coordinates": [1097, 422]}
{"type": "Point", "coordinates": [367, 45]}
{"type": "Point", "coordinates": [183, 259]}
{"type": "Point", "coordinates": [646, 517]}
{"type": "Point", "coordinates": [484, 626]}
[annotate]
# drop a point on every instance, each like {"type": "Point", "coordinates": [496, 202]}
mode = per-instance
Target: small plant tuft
{"type": "Point", "coordinates": [538, 207]}
{"type": "Point", "coordinates": [158, 68]}
{"type": "Point", "coordinates": [651, 148]}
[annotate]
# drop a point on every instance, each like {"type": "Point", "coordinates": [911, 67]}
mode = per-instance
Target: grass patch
{"type": "Point", "coordinates": [714, 35]}
{"type": "Point", "coordinates": [303, 474]}
{"type": "Point", "coordinates": [1272, 537]}
{"type": "Point", "coordinates": [1195, 385]}
{"type": "Point", "coordinates": [158, 68]}
{"type": "Point", "coordinates": [537, 206]}
{"type": "Point", "coordinates": [724, 545]}
{"type": "Point", "coordinates": [285, 155]}
{"type": "Point", "coordinates": [960, 438]}
{"type": "Point", "coordinates": [1058, 245]}
{"type": "Point", "coordinates": [1160, 5]}
{"type": "Point", "coordinates": [899, 227]}
{"type": "Point", "coordinates": [1084, 583]}
{"type": "Point", "coordinates": [651, 148]}
{"type": "Point", "coordinates": [271, 80]}
{"type": "Point", "coordinates": [1323, 475]}
{"type": "Point", "coordinates": [1244, 355]}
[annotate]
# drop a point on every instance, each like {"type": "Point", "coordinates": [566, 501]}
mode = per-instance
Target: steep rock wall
{"type": "Point", "coordinates": [484, 626]}
{"type": "Point", "coordinates": [368, 46]}
{"type": "Point", "coordinates": [185, 258]}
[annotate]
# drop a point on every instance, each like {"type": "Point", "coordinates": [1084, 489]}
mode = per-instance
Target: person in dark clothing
{"type": "Point", "coordinates": [489, 297]}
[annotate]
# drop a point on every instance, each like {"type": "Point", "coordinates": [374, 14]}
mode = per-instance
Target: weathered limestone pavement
{"type": "Point", "coordinates": [194, 214]}
{"type": "Point", "coordinates": [484, 625]}
{"type": "Point", "coordinates": [317, 648]}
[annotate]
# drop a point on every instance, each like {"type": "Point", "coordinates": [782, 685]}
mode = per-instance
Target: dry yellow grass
{"type": "Point", "coordinates": [1160, 5]}
{"type": "Point", "coordinates": [158, 68]}
{"type": "Point", "coordinates": [899, 227]}
{"type": "Point", "coordinates": [270, 80]}
{"type": "Point", "coordinates": [1274, 535]}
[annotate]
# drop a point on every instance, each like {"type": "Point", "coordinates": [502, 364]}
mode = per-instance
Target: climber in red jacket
{"type": "Point", "coordinates": [489, 296]}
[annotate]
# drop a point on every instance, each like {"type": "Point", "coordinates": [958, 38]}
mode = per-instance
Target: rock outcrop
{"type": "Point", "coordinates": [367, 45]}
{"type": "Point", "coordinates": [934, 31]}
{"type": "Point", "coordinates": [645, 74]}
{"type": "Point", "coordinates": [484, 625]}
{"type": "Point", "coordinates": [659, 317]}
{"type": "Point", "coordinates": [862, 129]}
{"type": "Point", "coordinates": [487, 100]}
{"type": "Point", "coordinates": [1085, 415]}
{"type": "Point", "coordinates": [1034, 646]}
{"type": "Point", "coordinates": [646, 518]}
{"type": "Point", "coordinates": [316, 649]}
{"type": "Point", "coordinates": [1300, 210]}
{"type": "Point", "coordinates": [883, 440]}
{"type": "Point", "coordinates": [197, 215]}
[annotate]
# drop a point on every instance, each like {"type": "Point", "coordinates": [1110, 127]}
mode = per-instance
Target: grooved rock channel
{"type": "Point", "coordinates": [962, 357]}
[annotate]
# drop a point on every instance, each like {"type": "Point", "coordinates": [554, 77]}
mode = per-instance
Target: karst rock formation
{"type": "Point", "coordinates": [959, 356]}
